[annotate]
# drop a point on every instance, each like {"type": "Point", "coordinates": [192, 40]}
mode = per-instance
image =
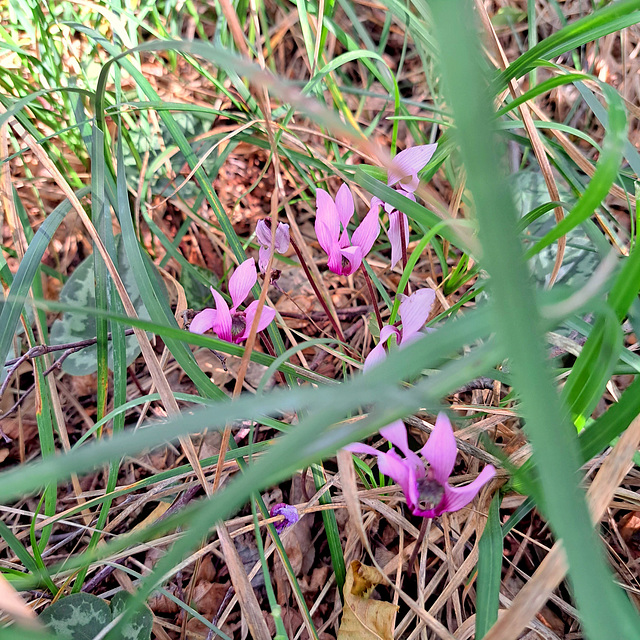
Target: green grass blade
{"type": "Point", "coordinates": [604, 610]}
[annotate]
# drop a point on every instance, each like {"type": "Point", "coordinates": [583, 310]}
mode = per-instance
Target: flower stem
{"type": "Point", "coordinates": [321, 299]}
{"type": "Point", "coordinates": [372, 293]}
{"type": "Point", "coordinates": [403, 242]}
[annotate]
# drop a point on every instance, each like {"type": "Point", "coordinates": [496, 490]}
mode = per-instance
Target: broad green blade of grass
{"type": "Point", "coordinates": [604, 609]}
{"type": "Point", "coordinates": [489, 577]}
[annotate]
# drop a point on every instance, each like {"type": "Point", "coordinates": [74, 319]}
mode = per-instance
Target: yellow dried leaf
{"type": "Point", "coordinates": [363, 618]}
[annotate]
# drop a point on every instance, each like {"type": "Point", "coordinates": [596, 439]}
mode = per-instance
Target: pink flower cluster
{"type": "Point", "coordinates": [332, 217]}
{"type": "Point", "coordinates": [428, 493]}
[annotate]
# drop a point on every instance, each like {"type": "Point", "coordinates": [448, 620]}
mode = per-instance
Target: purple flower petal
{"type": "Point", "coordinates": [203, 321]}
{"type": "Point", "coordinates": [441, 450]}
{"type": "Point", "coordinates": [222, 321]}
{"type": "Point", "coordinates": [240, 283]}
{"type": "Point", "coordinates": [396, 218]}
{"type": "Point", "coordinates": [406, 165]}
{"type": "Point", "coordinates": [266, 317]}
{"type": "Point", "coordinates": [396, 434]}
{"type": "Point", "coordinates": [344, 261]}
{"type": "Point", "coordinates": [345, 205]}
{"type": "Point", "coordinates": [327, 223]}
{"type": "Point", "coordinates": [378, 353]}
{"type": "Point", "coordinates": [289, 512]}
{"type": "Point", "coordinates": [414, 311]}
{"type": "Point", "coordinates": [263, 258]}
{"type": "Point", "coordinates": [457, 497]}
{"type": "Point", "coordinates": [367, 232]}
{"type": "Point", "coordinates": [282, 237]}
{"type": "Point", "coordinates": [400, 471]}
{"type": "Point", "coordinates": [325, 236]}
{"type": "Point", "coordinates": [358, 447]}
{"type": "Point", "coordinates": [263, 233]}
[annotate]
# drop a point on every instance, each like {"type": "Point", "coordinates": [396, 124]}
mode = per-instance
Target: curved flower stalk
{"type": "Point", "coordinates": [428, 492]}
{"type": "Point", "coordinates": [403, 174]}
{"type": "Point", "coordinates": [263, 234]}
{"type": "Point", "coordinates": [414, 312]}
{"type": "Point", "coordinates": [332, 218]}
{"type": "Point", "coordinates": [233, 325]}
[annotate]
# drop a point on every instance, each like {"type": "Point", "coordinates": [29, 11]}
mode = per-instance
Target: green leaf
{"type": "Point", "coordinates": [79, 290]}
{"type": "Point", "coordinates": [489, 571]}
{"type": "Point", "coordinates": [139, 626]}
{"type": "Point", "coordinates": [79, 616]}
{"type": "Point", "coordinates": [593, 368]}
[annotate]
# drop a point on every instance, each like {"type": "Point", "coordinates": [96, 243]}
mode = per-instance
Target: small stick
{"type": "Point", "coordinates": [416, 548]}
{"type": "Point", "coordinates": [374, 300]}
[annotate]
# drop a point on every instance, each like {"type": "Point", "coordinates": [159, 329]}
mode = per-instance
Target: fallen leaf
{"type": "Point", "coordinates": [363, 618]}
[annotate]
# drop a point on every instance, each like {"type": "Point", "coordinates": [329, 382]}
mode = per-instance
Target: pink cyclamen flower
{"type": "Point", "coordinates": [414, 312]}
{"type": "Point", "coordinates": [428, 492]}
{"type": "Point", "coordinates": [233, 325]}
{"type": "Point", "coordinates": [263, 234]}
{"type": "Point", "coordinates": [332, 218]}
{"type": "Point", "coordinates": [288, 511]}
{"type": "Point", "coordinates": [403, 174]}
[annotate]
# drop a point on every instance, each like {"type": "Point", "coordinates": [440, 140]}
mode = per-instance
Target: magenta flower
{"type": "Point", "coordinates": [263, 234]}
{"type": "Point", "coordinates": [233, 325]}
{"type": "Point", "coordinates": [288, 511]}
{"type": "Point", "coordinates": [414, 312]}
{"type": "Point", "coordinates": [403, 174]}
{"type": "Point", "coordinates": [428, 492]}
{"type": "Point", "coordinates": [332, 218]}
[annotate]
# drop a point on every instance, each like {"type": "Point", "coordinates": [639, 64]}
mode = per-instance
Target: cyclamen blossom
{"type": "Point", "coordinates": [332, 219]}
{"type": "Point", "coordinates": [233, 325]}
{"type": "Point", "coordinates": [403, 174]}
{"type": "Point", "coordinates": [428, 492]}
{"type": "Point", "coordinates": [414, 311]}
{"type": "Point", "coordinates": [288, 511]}
{"type": "Point", "coordinates": [263, 234]}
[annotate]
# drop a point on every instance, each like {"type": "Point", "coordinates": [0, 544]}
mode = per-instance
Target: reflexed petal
{"type": "Point", "coordinates": [203, 321]}
{"type": "Point", "coordinates": [401, 471]}
{"type": "Point", "coordinates": [263, 258]}
{"type": "Point", "coordinates": [395, 236]}
{"type": "Point", "coordinates": [327, 215]}
{"type": "Point", "coordinates": [325, 236]}
{"type": "Point", "coordinates": [457, 497]}
{"type": "Point", "coordinates": [263, 233]}
{"type": "Point", "coordinates": [344, 241]}
{"type": "Point", "coordinates": [358, 447]}
{"type": "Point", "coordinates": [441, 450]}
{"type": "Point", "coordinates": [240, 283]}
{"type": "Point", "coordinates": [396, 434]}
{"type": "Point", "coordinates": [282, 237]}
{"type": "Point", "coordinates": [414, 311]}
{"type": "Point", "coordinates": [378, 353]}
{"type": "Point", "coordinates": [367, 232]}
{"type": "Point", "coordinates": [266, 317]}
{"type": "Point", "coordinates": [406, 165]}
{"type": "Point", "coordinates": [345, 205]}
{"type": "Point", "coordinates": [222, 322]}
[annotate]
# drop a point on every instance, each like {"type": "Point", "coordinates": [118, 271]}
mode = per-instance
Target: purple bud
{"type": "Point", "coordinates": [289, 512]}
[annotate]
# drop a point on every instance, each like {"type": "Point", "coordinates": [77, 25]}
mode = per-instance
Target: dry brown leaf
{"type": "Point", "coordinates": [363, 618]}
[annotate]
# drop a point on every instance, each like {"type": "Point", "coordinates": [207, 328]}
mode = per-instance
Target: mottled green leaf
{"type": "Point", "coordinates": [139, 626]}
{"type": "Point", "coordinates": [79, 616]}
{"type": "Point", "coordinates": [79, 291]}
